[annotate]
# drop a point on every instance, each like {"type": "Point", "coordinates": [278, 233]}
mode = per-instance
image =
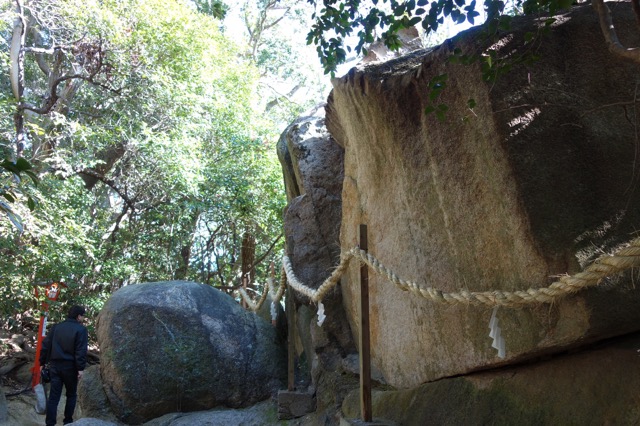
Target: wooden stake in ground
{"type": "Point", "coordinates": [365, 341]}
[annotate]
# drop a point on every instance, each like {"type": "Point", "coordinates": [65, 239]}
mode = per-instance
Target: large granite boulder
{"type": "Point", "coordinates": [92, 397]}
{"type": "Point", "coordinates": [313, 171]}
{"type": "Point", "coordinates": [182, 346]}
{"type": "Point", "coordinates": [538, 180]}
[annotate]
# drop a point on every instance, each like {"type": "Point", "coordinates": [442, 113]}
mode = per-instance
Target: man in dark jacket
{"type": "Point", "coordinates": [65, 349]}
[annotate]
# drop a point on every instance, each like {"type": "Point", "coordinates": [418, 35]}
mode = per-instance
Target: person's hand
{"type": "Point", "coordinates": [80, 373]}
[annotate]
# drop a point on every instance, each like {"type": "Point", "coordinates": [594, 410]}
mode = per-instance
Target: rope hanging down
{"type": "Point", "coordinates": [275, 297]}
{"type": "Point", "coordinates": [625, 258]}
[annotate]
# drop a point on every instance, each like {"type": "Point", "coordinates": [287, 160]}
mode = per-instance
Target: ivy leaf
{"type": "Point", "coordinates": [471, 16]}
{"type": "Point", "coordinates": [448, 8]}
{"type": "Point", "coordinates": [441, 110]}
{"type": "Point", "coordinates": [488, 60]}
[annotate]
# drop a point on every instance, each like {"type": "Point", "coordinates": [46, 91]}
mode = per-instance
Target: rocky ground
{"type": "Point", "coordinates": [20, 409]}
{"type": "Point", "coordinates": [17, 400]}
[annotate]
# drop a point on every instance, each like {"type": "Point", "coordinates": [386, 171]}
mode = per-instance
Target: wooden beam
{"type": "Point", "coordinates": [365, 341]}
{"type": "Point", "coordinates": [291, 348]}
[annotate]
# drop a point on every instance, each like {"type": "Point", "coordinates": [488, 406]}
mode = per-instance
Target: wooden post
{"type": "Point", "coordinates": [291, 348]}
{"type": "Point", "coordinates": [365, 342]}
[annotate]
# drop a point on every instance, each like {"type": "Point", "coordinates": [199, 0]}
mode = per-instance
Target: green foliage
{"type": "Point", "coordinates": [215, 8]}
{"type": "Point", "coordinates": [11, 174]}
{"type": "Point", "coordinates": [436, 87]}
{"type": "Point", "coordinates": [290, 79]}
{"type": "Point", "coordinates": [140, 163]}
{"type": "Point", "coordinates": [338, 20]}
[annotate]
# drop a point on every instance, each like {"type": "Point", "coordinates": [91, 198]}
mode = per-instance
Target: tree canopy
{"type": "Point", "coordinates": [135, 148]}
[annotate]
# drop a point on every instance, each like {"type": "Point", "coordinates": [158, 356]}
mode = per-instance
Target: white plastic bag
{"type": "Point", "coordinates": [41, 399]}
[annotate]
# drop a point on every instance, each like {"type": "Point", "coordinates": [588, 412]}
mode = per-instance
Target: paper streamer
{"type": "Point", "coordinates": [321, 315]}
{"type": "Point", "coordinates": [495, 334]}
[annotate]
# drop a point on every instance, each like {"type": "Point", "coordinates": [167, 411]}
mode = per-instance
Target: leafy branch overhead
{"type": "Point", "coordinates": [369, 20]}
{"type": "Point", "coordinates": [10, 190]}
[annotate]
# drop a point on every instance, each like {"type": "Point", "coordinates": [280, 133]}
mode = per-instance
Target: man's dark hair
{"type": "Point", "coordinates": [75, 311]}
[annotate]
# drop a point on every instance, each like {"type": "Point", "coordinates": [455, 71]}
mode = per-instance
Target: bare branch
{"type": "Point", "coordinates": [116, 226]}
{"type": "Point", "coordinates": [610, 35]}
{"type": "Point", "coordinates": [53, 94]}
{"type": "Point", "coordinates": [111, 184]}
{"type": "Point", "coordinates": [621, 103]}
{"type": "Point", "coordinates": [16, 53]}
{"type": "Point", "coordinates": [261, 258]}
{"type": "Point", "coordinates": [281, 97]}
{"type": "Point", "coordinates": [274, 23]}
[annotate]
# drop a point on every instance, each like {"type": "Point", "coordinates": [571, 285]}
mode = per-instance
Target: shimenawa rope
{"type": "Point", "coordinates": [623, 259]}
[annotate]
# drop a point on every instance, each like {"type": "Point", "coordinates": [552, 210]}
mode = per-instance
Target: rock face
{"type": "Point", "coordinates": [182, 346]}
{"type": "Point", "coordinates": [539, 179]}
{"type": "Point", "coordinates": [553, 392]}
{"type": "Point", "coordinates": [312, 166]}
{"type": "Point", "coordinates": [4, 414]}
{"type": "Point", "coordinates": [91, 396]}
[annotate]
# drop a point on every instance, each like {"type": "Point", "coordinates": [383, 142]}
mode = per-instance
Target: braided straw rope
{"type": "Point", "coordinates": [317, 294]}
{"type": "Point", "coordinates": [625, 258]}
{"type": "Point", "coordinates": [254, 306]}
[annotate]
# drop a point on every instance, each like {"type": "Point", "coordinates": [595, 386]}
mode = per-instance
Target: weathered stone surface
{"type": "Point", "coordinates": [262, 414]}
{"type": "Point", "coordinates": [312, 165]}
{"type": "Point", "coordinates": [182, 346]}
{"type": "Point", "coordinates": [92, 397]}
{"type": "Point", "coordinates": [4, 413]}
{"type": "Point", "coordinates": [21, 410]}
{"type": "Point", "coordinates": [359, 422]}
{"type": "Point", "coordinates": [596, 387]}
{"type": "Point", "coordinates": [538, 180]}
{"type": "Point", "coordinates": [293, 404]}
{"type": "Point", "coordinates": [90, 421]}
{"type": "Point", "coordinates": [23, 374]}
